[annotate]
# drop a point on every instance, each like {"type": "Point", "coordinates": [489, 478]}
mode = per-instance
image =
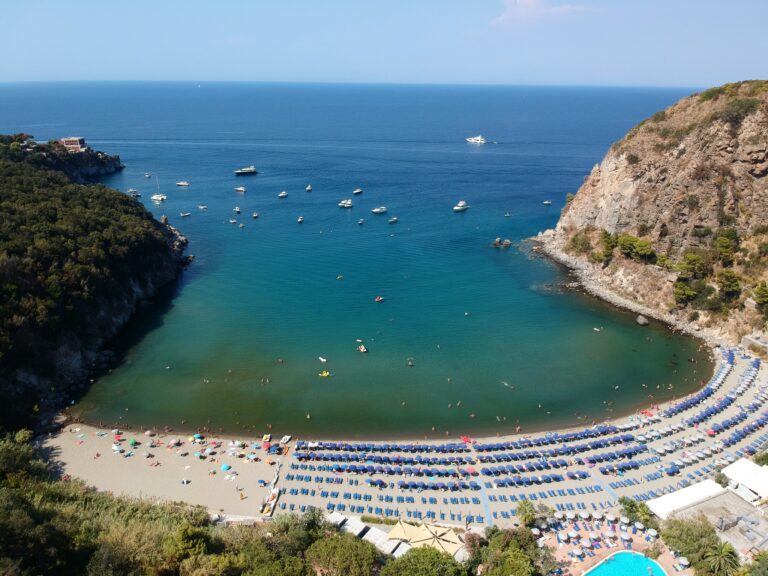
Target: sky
{"type": "Point", "coordinates": [694, 43]}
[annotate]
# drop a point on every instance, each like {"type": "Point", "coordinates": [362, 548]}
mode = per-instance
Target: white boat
{"type": "Point", "coordinates": [308, 188]}
{"type": "Point", "coordinates": [507, 215]}
{"type": "Point", "coordinates": [147, 175]}
{"type": "Point", "coordinates": [236, 209]}
{"type": "Point", "coordinates": [232, 221]}
{"type": "Point", "coordinates": [393, 220]}
{"type": "Point", "coordinates": [357, 191]}
{"type": "Point", "coordinates": [247, 171]}
{"type": "Point", "coordinates": [461, 206]}
{"type": "Point", "coordinates": [159, 197]}
{"type": "Point", "coordinates": [547, 202]}
{"type": "Point", "coordinates": [240, 189]}
{"type": "Point", "coordinates": [323, 360]}
{"type": "Point", "coordinates": [182, 183]}
{"type": "Point", "coordinates": [132, 192]}
{"type": "Point", "coordinates": [346, 203]}
{"type": "Point", "coordinates": [255, 215]}
{"type": "Point", "coordinates": [242, 225]}
{"type": "Point", "coordinates": [202, 206]}
{"type": "Point", "coordinates": [300, 219]}
{"type": "Point", "coordinates": [380, 210]}
{"type": "Point", "coordinates": [282, 194]}
{"type": "Point", "coordinates": [185, 214]}
{"type": "Point", "coordinates": [476, 139]}
{"type": "Point", "coordinates": [360, 222]}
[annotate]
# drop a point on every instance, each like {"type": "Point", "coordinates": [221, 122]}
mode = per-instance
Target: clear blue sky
{"type": "Point", "coordinates": [577, 42]}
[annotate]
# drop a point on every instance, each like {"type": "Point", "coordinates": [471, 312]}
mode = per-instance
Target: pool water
{"type": "Point", "coordinates": [627, 564]}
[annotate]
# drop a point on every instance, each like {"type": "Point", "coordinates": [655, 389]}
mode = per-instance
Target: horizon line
{"type": "Point", "coordinates": [354, 83]}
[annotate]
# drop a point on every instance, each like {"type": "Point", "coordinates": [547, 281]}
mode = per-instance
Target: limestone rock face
{"type": "Point", "coordinates": [684, 170]}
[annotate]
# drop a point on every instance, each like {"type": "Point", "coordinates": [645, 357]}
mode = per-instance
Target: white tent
{"type": "Point", "coordinates": [746, 473]}
{"type": "Point", "coordinates": [666, 505]}
{"type": "Point", "coordinates": [354, 526]}
{"type": "Point", "coordinates": [381, 540]}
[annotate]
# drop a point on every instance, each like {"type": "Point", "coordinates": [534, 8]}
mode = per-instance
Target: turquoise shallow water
{"type": "Point", "coordinates": [494, 341]}
{"type": "Point", "coordinates": [627, 564]}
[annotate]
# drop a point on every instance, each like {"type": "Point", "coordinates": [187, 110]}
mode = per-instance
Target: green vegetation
{"type": "Point", "coordinates": [423, 562]}
{"type": "Point", "coordinates": [526, 513]}
{"type": "Point", "coordinates": [635, 248]}
{"type": "Point", "coordinates": [697, 540]}
{"type": "Point", "coordinates": [761, 459]}
{"type": "Point", "coordinates": [735, 111]}
{"type": "Point", "coordinates": [638, 512]}
{"type": "Point", "coordinates": [632, 159]}
{"type": "Point", "coordinates": [580, 243]}
{"type": "Point", "coordinates": [68, 255]}
{"type": "Point", "coordinates": [569, 198]}
{"type": "Point", "coordinates": [343, 555]}
{"type": "Point", "coordinates": [509, 553]}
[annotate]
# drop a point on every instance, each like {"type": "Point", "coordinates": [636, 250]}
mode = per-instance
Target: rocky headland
{"type": "Point", "coordinates": [673, 223]}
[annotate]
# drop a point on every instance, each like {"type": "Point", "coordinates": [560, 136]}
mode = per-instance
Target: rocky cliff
{"type": "Point", "coordinates": [75, 262]}
{"type": "Point", "coordinates": [675, 217]}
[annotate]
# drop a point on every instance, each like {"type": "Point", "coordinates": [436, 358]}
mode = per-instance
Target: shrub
{"type": "Point", "coordinates": [660, 116]}
{"type": "Point", "coordinates": [711, 93]}
{"type": "Point", "coordinates": [730, 284]}
{"type": "Point", "coordinates": [343, 555]}
{"type": "Point", "coordinates": [423, 561]}
{"type": "Point", "coordinates": [580, 243]}
{"type": "Point", "coordinates": [569, 198]}
{"type": "Point", "coordinates": [762, 249]}
{"type": "Point", "coordinates": [683, 292]}
{"type": "Point", "coordinates": [736, 110]}
{"type": "Point", "coordinates": [632, 159]}
{"type": "Point", "coordinates": [692, 201]}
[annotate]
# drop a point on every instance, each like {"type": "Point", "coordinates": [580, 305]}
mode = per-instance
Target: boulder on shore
{"type": "Point", "coordinates": [642, 320]}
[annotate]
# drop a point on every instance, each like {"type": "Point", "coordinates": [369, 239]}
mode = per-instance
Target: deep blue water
{"type": "Point", "coordinates": [472, 317]}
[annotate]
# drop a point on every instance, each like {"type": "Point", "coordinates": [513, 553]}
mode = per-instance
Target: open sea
{"type": "Point", "coordinates": [495, 340]}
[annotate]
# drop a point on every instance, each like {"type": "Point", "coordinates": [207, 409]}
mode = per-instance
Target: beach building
{"type": "Point", "coordinates": [667, 505]}
{"type": "Point", "coordinates": [73, 144]}
{"type": "Point", "coordinates": [749, 480]}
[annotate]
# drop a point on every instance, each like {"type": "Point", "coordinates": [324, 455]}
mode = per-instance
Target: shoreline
{"type": "Point", "coordinates": [546, 242]}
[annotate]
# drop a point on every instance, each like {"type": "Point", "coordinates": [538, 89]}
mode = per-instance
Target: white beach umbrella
{"type": "Point", "coordinates": [624, 520]}
{"type": "Point", "coordinates": [625, 536]}
{"type": "Point", "coordinates": [559, 515]}
{"type": "Point", "coordinates": [572, 534]}
{"type": "Point", "coordinates": [684, 561]}
{"type": "Point", "coordinates": [584, 515]}
{"type": "Point", "coordinates": [597, 515]}
{"type": "Point", "coordinates": [610, 517]}
{"type": "Point", "coordinates": [639, 526]}
{"type": "Point", "coordinates": [570, 515]}
{"type": "Point", "coordinates": [652, 533]}
{"type": "Point", "coordinates": [594, 536]}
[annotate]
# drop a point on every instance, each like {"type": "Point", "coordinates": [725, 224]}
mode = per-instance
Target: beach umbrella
{"type": "Point", "coordinates": [225, 467]}
{"type": "Point", "coordinates": [578, 551]}
{"type": "Point", "coordinates": [624, 520]}
{"type": "Point", "coordinates": [197, 454]}
{"type": "Point", "coordinates": [625, 536]}
{"type": "Point", "coordinates": [133, 442]}
{"type": "Point", "coordinates": [586, 543]}
{"type": "Point", "coordinates": [594, 536]}
{"type": "Point", "coordinates": [609, 534]}
{"type": "Point", "coordinates": [535, 531]}
{"type": "Point", "coordinates": [570, 515]}
{"type": "Point", "coordinates": [652, 533]}
{"type": "Point", "coordinates": [542, 525]}
{"type": "Point", "coordinates": [562, 536]}
{"type": "Point", "coordinates": [572, 534]}
{"type": "Point", "coordinates": [639, 526]}
{"type": "Point", "coordinates": [597, 515]}
{"type": "Point", "coordinates": [559, 515]}
{"type": "Point", "coordinates": [198, 436]}
{"type": "Point", "coordinates": [149, 433]}
{"type": "Point", "coordinates": [684, 561]}
{"type": "Point", "coordinates": [584, 515]}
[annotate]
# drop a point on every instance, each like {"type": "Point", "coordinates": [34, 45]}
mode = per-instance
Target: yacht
{"type": "Point", "coordinates": [247, 171]}
{"type": "Point", "coordinates": [308, 188]}
{"type": "Point", "coordinates": [362, 349]}
{"type": "Point", "coordinates": [282, 194]}
{"type": "Point", "coordinates": [393, 220]}
{"type": "Point", "coordinates": [147, 175]}
{"type": "Point", "coordinates": [182, 183]}
{"type": "Point", "coordinates": [461, 206]}
{"type": "Point", "coordinates": [357, 191]}
{"type": "Point", "coordinates": [547, 202]}
{"type": "Point", "coordinates": [242, 225]}
{"type": "Point", "coordinates": [507, 215]}
{"type": "Point", "coordinates": [232, 221]}
{"type": "Point", "coordinates": [300, 219]}
{"type": "Point", "coordinates": [185, 214]}
{"type": "Point", "coordinates": [240, 189]}
{"type": "Point", "coordinates": [159, 197]}
{"type": "Point", "coordinates": [346, 203]}
{"type": "Point", "coordinates": [255, 215]}
{"type": "Point", "coordinates": [476, 139]}
{"type": "Point", "coordinates": [133, 193]}
{"type": "Point", "coordinates": [202, 206]}
{"type": "Point", "coordinates": [360, 222]}
{"type": "Point", "coordinates": [236, 209]}
{"type": "Point", "coordinates": [380, 210]}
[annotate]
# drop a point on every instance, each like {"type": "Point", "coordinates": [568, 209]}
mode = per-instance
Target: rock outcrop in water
{"type": "Point", "coordinates": [75, 262]}
{"type": "Point", "coordinates": [674, 220]}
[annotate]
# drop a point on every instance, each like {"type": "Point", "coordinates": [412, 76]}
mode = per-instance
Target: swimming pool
{"type": "Point", "coordinates": [627, 564]}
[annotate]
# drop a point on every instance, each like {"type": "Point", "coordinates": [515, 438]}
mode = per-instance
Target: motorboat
{"type": "Point", "coordinates": [185, 214]}
{"type": "Point", "coordinates": [247, 171]}
{"type": "Point", "coordinates": [242, 225]}
{"type": "Point", "coordinates": [282, 194]}
{"type": "Point", "coordinates": [507, 215]}
{"type": "Point", "coordinates": [308, 188]}
{"type": "Point", "coordinates": [346, 203]}
{"type": "Point", "coordinates": [379, 299]}
{"type": "Point", "coordinates": [323, 360]}
{"type": "Point", "coordinates": [380, 210]}
{"type": "Point", "coordinates": [357, 191]}
{"type": "Point", "coordinates": [476, 139]}
{"type": "Point", "coordinates": [324, 374]}
{"type": "Point", "coordinates": [499, 243]}
{"type": "Point", "coordinates": [182, 183]}
{"type": "Point", "coordinates": [232, 221]}
{"type": "Point", "coordinates": [147, 175]}
{"type": "Point", "coordinates": [240, 189]}
{"type": "Point", "coordinates": [159, 197]}
{"type": "Point", "coordinates": [236, 209]}
{"type": "Point", "coordinates": [547, 202]}
{"type": "Point", "coordinates": [202, 206]}
{"type": "Point", "coordinates": [461, 206]}
{"type": "Point", "coordinates": [360, 222]}
{"type": "Point", "coordinates": [393, 220]}
{"type": "Point", "coordinates": [362, 349]}
{"type": "Point", "coordinates": [300, 219]}
{"type": "Point", "coordinates": [255, 215]}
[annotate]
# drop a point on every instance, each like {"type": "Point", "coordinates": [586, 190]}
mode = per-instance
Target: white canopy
{"type": "Point", "coordinates": [747, 473]}
{"type": "Point", "coordinates": [381, 540]}
{"type": "Point", "coordinates": [666, 505]}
